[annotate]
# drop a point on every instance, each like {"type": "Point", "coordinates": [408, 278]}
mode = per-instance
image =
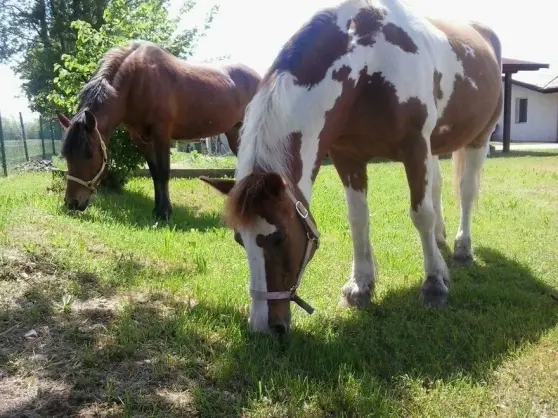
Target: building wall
{"type": "Point", "coordinates": [542, 117]}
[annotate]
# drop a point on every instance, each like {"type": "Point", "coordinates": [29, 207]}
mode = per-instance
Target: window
{"type": "Point", "coordinates": [520, 110]}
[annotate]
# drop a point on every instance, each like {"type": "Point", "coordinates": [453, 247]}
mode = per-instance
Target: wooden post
{"type": "Point", "coordinates": [24, 137]}
{"type": "Point", "coordinates": [42, 136]}
{"type": "Point", "coordinates": [3, 148]}
{"type": "Point", "coordinates": [52, 139]}
{"type": "Point", "coordinates": [507, 112]}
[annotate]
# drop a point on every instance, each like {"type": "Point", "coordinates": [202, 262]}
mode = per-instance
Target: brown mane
{"type": "Point", "coordinates": [93, 95]}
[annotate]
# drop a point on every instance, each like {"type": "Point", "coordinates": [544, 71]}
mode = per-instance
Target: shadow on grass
{"type": "Point", "coordinates": [169, 357]}
{"type": "Point", "coordinates": [135, 209]}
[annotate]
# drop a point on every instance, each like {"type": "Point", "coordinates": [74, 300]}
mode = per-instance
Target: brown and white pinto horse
{"type": "Point", "coordinates": [368, 78]}
{"type": "Point", "coordinates": [157, 97]}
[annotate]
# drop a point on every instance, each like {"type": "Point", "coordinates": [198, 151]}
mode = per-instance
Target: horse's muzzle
{"type": "Point", "coordinates": [74, 204]}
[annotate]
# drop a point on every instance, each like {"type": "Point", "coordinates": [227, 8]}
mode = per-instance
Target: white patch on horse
{"type": "Point", "coordinates": [468, 50]}
{"type": "Point", "coordinates": [259, 309]}
{"type": "Point", "coordinates": [363, 273]}
{"type": "Point", "coordinates": [444, 129]}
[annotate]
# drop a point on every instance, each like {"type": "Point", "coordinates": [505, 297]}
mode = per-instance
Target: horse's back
{"type": "Point", "coordinates": [437, 76]}
{"type": "Point", "coordinates": [187, 100]}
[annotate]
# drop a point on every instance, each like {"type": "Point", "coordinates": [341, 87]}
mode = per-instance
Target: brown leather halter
{"type": "Point", "coordinates": [313, 236]}
{"type": "Point", "coordinates": [93, 184]}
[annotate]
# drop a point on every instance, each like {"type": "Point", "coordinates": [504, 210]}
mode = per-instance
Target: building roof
{"type": "Point", "coordinates": [532, 75]}
{"type": "Point", "coordinates": [512, 65]}
{"type": "Point", "coordinates": [549, 86]}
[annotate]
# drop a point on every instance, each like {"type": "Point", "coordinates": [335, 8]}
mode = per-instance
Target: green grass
{"type": "Point", "coordinates": [136, 319]}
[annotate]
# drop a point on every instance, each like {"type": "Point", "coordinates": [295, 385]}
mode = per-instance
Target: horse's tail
{"type": "Point", "coordinates": [458, 162]}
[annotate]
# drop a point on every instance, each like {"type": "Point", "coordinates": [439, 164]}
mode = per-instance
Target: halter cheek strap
{"type": "Point", "coordinates": [95, 181]}
{"type": "Point", "coordinates": [313, 236]}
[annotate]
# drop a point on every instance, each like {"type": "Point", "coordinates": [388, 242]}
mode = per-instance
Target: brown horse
{"type": "Point", "coordinates": [156, 97]}
{"type": "Point", "coordinates": [360, 80]}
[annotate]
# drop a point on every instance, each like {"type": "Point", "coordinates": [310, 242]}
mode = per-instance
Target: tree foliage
{"type": "Point", "coordinates": [35, 33]}
{"type": "Point", "coordinates": [123, 21]}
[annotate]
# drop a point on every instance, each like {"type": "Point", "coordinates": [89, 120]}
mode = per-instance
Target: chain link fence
{"type": "Point", "coordinates": [25, 141]}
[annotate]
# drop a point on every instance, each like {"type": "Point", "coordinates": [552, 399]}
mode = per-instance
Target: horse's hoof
{"type": "Point", "coordinates": [162, 214]}
{"type": "Point", "coordinates": [352, 297]}
{"type": "Point", "coordinates": [434, 292]}
{"type": "Point", "coordinates": [462, 259]}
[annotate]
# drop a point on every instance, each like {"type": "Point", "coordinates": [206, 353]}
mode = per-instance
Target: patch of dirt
{"type": "Point", "coordinates": [35, 165]}
{"type": "Point", "coordinates": [60, 359]}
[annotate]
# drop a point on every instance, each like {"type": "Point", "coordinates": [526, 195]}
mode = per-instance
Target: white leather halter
{"type": "Point", "coordinates": [313, 236]}
{"type": "Point", "coordinates": [93, 184]}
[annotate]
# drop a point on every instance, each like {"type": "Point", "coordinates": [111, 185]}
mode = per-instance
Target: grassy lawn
{"type": "Point", "coordinates": [106, 314]}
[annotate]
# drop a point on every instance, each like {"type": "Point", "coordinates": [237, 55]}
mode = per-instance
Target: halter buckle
{"type": "Point", "coordinates": [302, 211]}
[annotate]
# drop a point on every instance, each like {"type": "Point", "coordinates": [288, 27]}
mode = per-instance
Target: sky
{"type": "Point", "coordinates": [253, 31]}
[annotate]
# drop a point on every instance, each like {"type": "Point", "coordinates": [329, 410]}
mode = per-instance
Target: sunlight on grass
{"type": "Point", "coordinates": [144, 318]}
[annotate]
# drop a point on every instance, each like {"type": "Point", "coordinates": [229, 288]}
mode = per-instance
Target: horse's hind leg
{"type": "Point", "coordinates": [420, 168]}
{"type": "Point", "coordinates": [468, 164]}
{"type": "Point", "coordinates": [232, 137]}
{"type": "Point", "coordinates": [359, 288]}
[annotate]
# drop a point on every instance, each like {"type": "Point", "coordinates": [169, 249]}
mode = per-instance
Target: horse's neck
{"type": "Point", "coordinates": [108, 118]}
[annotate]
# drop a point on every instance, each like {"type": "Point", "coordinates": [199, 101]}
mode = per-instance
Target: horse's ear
{"type": "Point", "coordinates": [63, 120]}
{"type": "Point", "coordinates": [90, 121]}
{"type": "Point", "coordinates": [223, 185]}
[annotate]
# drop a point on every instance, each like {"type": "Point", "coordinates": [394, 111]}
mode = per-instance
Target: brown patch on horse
{"type": "Point", "coordinates": [398, 37]}
{"type": "Point", "coordinates": [438, 93]}
{"type": "Point", "coordinates": [295, 157]}
{"type": "Point", "coordinates": [368, 121]}
{"type": "Point", "coordinates": [312, 50]}
{"type": "Point", "coordinates": [467, 123]}
{"type": "Point", "coordinates": [353, 175]}
{"type": "Point", "coordinates": [367, 24]}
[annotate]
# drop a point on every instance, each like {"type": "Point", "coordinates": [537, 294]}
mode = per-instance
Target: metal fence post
{"type": "Point", "coordinates": [3, 148]}
{"type": "Point", "coordinates": [42, 136]}
{"type": "Point", "coordinates": [24, 137]}
{"type": "Point", "coordinates": [52, 139]}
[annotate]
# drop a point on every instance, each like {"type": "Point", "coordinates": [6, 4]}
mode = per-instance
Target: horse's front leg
{"type": "Point", "coordinates": [232, 137]}
{"type": "Point", "coordinates": [163, 208]}
{"type": "Point", "coordinates": [359, 289]}
{"type": "Point", "coordinates": [420, 168]}
{"type": "Point", "coordinates": [146, 149]}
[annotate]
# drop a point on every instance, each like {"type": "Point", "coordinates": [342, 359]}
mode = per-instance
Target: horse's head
{"type": "Point", "coordinates": [280, 238]}
{"type": "Point", "coordinates": [86, 157]}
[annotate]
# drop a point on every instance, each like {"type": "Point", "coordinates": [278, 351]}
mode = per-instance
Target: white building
{"type": "Point", "coordinates": [534, 111]}
{"type": "Point", "coordinates": [532, 97]}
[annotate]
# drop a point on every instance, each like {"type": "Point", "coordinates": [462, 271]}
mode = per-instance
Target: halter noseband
{"type": "Point", "coordinates": [312, 235]}
{"type": "Point", "coordinates": [95, 181]}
